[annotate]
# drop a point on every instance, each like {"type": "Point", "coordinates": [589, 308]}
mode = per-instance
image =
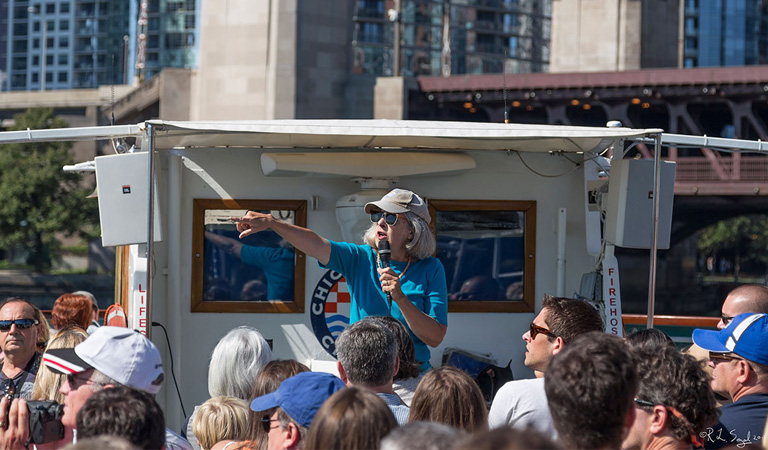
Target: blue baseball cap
{"type": "Point", "coordinates": [745, 336]}
{"type": "Point", "coordinates": [300, 396]}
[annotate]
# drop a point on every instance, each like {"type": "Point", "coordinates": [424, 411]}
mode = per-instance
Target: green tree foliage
{"type": "Point", "coordinates": [39, 199]}
{"type": "Point", "coordinates": [743, 240]}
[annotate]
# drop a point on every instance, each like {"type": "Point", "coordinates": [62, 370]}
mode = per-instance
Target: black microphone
{"type": "Point", "coordinates": [385, 254]}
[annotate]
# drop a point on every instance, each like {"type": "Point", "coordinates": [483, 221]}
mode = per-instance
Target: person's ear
{"type": "Point", "coordinates": [557, 345]}
{"type": "Point", "coordinates": [629, 420]}
{"type": "Point", "coordinates": [292, 435]}
{"type": "Point", "coordinates": [397, 366]}
{"type": "Point", "coordinates": [744, 371]}
{"type": "Point", "coordinates": [342, 372]}
{"type": "Point", "coordinates": [659, 419]}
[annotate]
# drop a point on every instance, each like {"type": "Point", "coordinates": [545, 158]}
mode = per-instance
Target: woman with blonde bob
{"type": "Point", "coordinates": [352, 418]}
{"type": "Point", "coordinates": [449, 396]}
{"type": "Point", "coordinates": [219, 419]}
{"type": "Point", "coordinates": [48, 383]}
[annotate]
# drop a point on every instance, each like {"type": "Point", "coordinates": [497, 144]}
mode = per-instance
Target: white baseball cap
{"type": "Point", "coordinates": [122, 354]}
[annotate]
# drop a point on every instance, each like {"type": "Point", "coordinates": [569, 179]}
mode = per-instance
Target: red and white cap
{"type": "Point", "coordinates": [122, 354]}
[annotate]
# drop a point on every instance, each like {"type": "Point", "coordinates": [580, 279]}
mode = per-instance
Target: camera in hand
{"type": "Point", "coordinates": [44, 416]}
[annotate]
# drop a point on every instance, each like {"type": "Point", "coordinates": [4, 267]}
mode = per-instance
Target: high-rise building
{"type": "Point", "coordinates": [74, 44]}
{"type": "Point", "coordinates": [725, 33]}
{"type": "Point", "coordinates": [450, 37]}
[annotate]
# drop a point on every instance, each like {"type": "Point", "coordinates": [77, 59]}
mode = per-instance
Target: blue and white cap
{"type": "Point", "coordinates": [746, 336]}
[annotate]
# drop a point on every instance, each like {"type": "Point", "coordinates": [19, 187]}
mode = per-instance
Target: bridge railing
{"type": "Point", "coordinates": [744, 168]}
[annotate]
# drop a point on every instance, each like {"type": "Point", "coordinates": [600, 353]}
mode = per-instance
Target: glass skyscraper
{"type": "Point", "coordinates": [451, 37]}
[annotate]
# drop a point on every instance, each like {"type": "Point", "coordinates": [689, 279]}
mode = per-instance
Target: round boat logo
{"type": "Point", "coordinates": [330, 309]}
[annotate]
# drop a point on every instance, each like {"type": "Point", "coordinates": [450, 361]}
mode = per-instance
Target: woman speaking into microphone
{"type": "Point", "coordinates": [413, 279]}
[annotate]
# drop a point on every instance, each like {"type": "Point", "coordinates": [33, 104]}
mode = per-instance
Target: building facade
{"type": "Point", "coordinates": [725, 33]}
{"type": "Point", "coordinates": [77, 44]}
{"type": "Point", "coordinates": [450, 37]}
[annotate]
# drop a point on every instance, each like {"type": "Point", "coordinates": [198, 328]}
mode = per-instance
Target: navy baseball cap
{"type": "Point", "coordinates": [745, 336]}
{"type": "Point", "coordinates": [301, 395]}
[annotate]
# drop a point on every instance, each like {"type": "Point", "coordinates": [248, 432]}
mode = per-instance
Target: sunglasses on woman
{"type": "Point", "coordinates": [266, 423]}
{"type": "Point", "coordinates": [389, 218]}
{"type": "Point", "coordinates": [21, 324]}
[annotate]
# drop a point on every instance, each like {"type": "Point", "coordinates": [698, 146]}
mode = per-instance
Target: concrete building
{"type": "Point", "coordinates": [613, 35]}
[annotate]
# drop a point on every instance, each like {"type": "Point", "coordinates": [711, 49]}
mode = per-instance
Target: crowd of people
{"type": "Point", "coordinates": [592, 390]}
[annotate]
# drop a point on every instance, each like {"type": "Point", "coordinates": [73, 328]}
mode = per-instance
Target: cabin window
{"type": "Point", "coordinates": [488, 251]}
{"type": "Point", "coordinates": [261, 273]}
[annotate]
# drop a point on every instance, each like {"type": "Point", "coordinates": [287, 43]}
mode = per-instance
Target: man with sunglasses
{"type": "Point", "coordinates": [522, 403]}
{"type": "Point", "coordinates": [674, 402]}
{"type": "Point", "coordinates": [110, 357]}
{"type": "Point", "coordinates": [739, 360]}
{"type": "Point", "coordinates": [18, 337]}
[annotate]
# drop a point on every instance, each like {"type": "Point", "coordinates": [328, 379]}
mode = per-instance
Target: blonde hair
{"type": "Point", "coordinates": [423, 244]}
{"type": "Point", "coordinates": [48, 383]}
{"type": "Point", "coordinates": [221, 418]}
{"type": "Point", "coordinates": [43, 329]}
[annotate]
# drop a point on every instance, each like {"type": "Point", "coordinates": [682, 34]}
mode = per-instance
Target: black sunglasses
{"type": "Point", "coordinates": [21, 324]}
{"type": "Point", "coordinates": [536, 330]}
{"type": "Point", "coordinates": [645, 403]}
{"type": "Point", "coordinates": [389, 218]}
{"type": "Point", "coordinates": [266, 423]}
{"type": "Point", "coordinates": [726, 319]}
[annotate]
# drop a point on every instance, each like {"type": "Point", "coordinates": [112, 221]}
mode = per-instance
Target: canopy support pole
{"type": "Point", "coordinates": [150, 226]}
{"type": "Point", "coordinates": [655, 227]}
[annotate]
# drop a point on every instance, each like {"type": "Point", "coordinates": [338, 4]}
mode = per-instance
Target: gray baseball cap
{"type": "Point", "coordinates": [398, 201]}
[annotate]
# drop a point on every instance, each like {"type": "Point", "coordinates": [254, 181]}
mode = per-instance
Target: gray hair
{"type": "Point", "coordinates": [423, 244]}
{"type": "Point", "coordinates": [421, 436]}
{"type": "Point", "coordinates": [368, 353]}
{"type": "Point", "coordinates": [236, 361]}
{"type": "Point", "coordinates": [99, 380]}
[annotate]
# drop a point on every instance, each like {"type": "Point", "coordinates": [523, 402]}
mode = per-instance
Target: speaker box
{"type": "Point", "coordinates": [630, 203]}
{"type": "Point", "coordinates": [123, 183]}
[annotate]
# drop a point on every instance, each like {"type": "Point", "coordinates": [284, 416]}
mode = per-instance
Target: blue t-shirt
{"type": "Point", "coordinates": [423, 283]}
{"type": "Point", "coordinates": [741, 423]}
{"type": "Point", "coordinates": [277, 264]}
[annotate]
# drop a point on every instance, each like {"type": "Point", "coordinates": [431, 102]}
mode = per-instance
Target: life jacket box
{"type": "Point", "coordinates": [123, 184]}
{"type": "Point", "coordinates": [630, 203]}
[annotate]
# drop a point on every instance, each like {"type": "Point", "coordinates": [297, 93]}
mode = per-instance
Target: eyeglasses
{"type": "Point", "coordinates": [75, 381]}
{"type": "Point", "coordinates": [536, 330]}
{"type": "Point", "coordinates": [696, 441]}
{"type": "Point", "coordinates": [644, 402]}
{"type": "Point", "coordinates": [266, 423]}
{"type": "Point", "coordinates": [389, 218]}
{"type": "Point", "coordinates": [720, 357]}
{"type": "Point", "coordinates": [21, 324]}
{"type": "Point", "coordinates": [726, 319]}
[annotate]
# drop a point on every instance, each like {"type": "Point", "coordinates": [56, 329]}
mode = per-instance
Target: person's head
{"type": "Point", "coordinates": [294, 404]}
{"type": "Point", "coordinates": [94, 303]}
{"type": "Point", "coordinates": [738, 355]}
{"type": "Point", "coordinates": [590, 386]}
{"type": "Point", "coordinates": [267, 381]}
{"type": "Point", "coordinates": [111, 356]}
{"type": "Point", "coordinates": [673, 403]}
{"type": "Point", "coordinates": [507, 438]}
{"type": "Point", "coordinates": [408, 367]}
{"type": "Point", "coordinates": [123, 412]}
{"type": "Point", "coordinates": [236, 361]}
{"type": "Point", "coordinates": [221, 418]}
{"type": "Point", "coordinates": [421, 436]}
{"type": "Point", "coordinates": [47, 382]}
{"type": "Point", "coordinates": [480, 287]}
{"type": "Point", "coordinates": [18, 329]}
{"type": "Point", "coordinates": [403, 218]}
{"type": "Point", "coordinates": [749, 298]}
{"type": "Point", "coordinates": [353, 418]}
{"type": "Point", "coordinates": [449, 396]}
{"type": "Point", "coordinates": [43, 330]}
{"type": "Point", "coordinates": [367, 354]}
{"type": "Point", "coordinates": [649, 337]}
{"type": "Point", "coordinates": [558, 323]}
{"type": "Point", "coordinates": [71, 309]}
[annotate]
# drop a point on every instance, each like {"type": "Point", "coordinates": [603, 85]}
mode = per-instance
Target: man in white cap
{"type": "Point", "coordinates": [111, 356]}
{"type": "Point", "coordinates": [738, 356]}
